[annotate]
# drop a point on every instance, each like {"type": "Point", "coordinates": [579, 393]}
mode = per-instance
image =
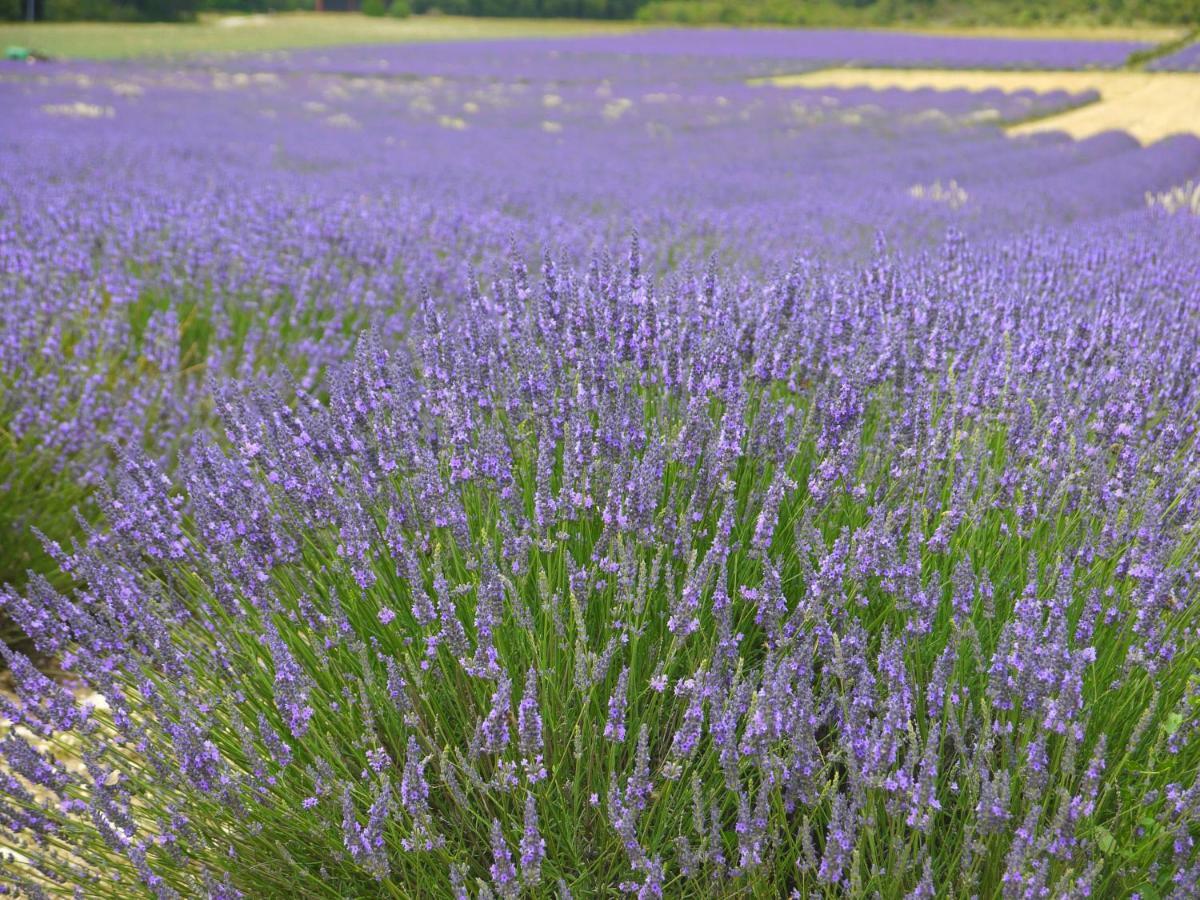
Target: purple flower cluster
{"type": "Point", "coordinates": [169, 226]}
{"type": "Point", "coordinates": [693, 49]}
{"type": "Point", "coordinates": [819, 538]}
{"type": "Point", "coordinates": [807, 457]}
{"type": "Point", "coordinates": [1185, 60]}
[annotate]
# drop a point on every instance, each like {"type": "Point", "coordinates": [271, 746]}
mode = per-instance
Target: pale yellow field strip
{"type": "Point", "coordinates": [1147, 105]}
{"type": "Point", "coordinates": [279, 31]}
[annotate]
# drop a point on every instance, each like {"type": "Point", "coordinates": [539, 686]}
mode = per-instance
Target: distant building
{"type": "Point", "coordinates": [338, 5]}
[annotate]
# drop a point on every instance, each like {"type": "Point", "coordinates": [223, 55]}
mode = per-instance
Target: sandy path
{"type": "Point", "coordinates": [1147, 105]}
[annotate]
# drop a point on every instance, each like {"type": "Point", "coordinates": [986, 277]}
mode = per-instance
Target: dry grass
{"type": "Point", "coordinates": [103, 40]}
{"type": "Point", "coordinates": [1147, 105]}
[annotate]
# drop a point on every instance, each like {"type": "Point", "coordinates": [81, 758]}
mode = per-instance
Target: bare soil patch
{"type": "Point", "coordinates": [1147, 105]}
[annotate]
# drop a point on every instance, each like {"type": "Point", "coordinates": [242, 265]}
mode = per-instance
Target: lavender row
{"type": "Point", "coordinates": [173, 225]}
{"type": "Point", "coordinates": [838, 582]}
{"type": "Point", "coordinates": [797, 549]}
{"type": "Point", "coordinates": [743, 49]}
{"type": "Point", "coordinates": [1185, 60]}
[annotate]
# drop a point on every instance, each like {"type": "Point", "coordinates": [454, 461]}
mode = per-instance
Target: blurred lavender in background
{"type": "Point", "coordinates": [1184, 60]}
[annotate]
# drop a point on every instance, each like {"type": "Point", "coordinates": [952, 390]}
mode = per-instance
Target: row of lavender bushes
{"type": "Point", "coordinates": [397, 575]}
{"type": "Point", "coordinates": [878, 583]}
{"type": "Point", "coordinates": [142, 258]}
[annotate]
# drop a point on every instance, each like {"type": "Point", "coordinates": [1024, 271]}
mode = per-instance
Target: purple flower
{"type": "Point", "coordinates": [533, 847]}
{"type": "Point", "coordinates": [614, 728]}
{"type": "Point", "coordinates": [504, 873]}
{"type": "Point", "coordinates": [493, 733]}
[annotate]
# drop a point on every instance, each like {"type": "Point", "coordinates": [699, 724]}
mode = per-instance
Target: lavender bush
{"type": "Point", "coordinates": [700, 586]}
{"type": "Point", "coordinates": [1186, 59]}
{"type": "Point", "coordinates": [340, 199]}
{"type": "Point", "coordinates": [756, 47]}
{"type": "Point", "coordinates": [857, 559]}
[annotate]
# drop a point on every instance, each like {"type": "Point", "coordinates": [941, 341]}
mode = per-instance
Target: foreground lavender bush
{"type": "Point", "coordinates": [168, 224]}
{"type": "Point", "coordinates": [878, 584]}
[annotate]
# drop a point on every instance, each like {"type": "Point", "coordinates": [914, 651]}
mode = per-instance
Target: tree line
{"type": "Point", "coordinates": [789, 12]}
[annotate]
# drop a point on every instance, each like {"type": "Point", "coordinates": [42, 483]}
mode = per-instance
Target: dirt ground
{"type": "Point", "coordinates": [1147, 105]}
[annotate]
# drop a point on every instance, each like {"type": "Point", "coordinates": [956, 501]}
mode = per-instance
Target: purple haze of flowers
{"type": "Point", "coordinates": [1185, 60]}
{"type": "Point", "coordinates": [876, 506]}
{"type": "Point", "coordinates": [674, 400]}
{"type": "Point", "coordinates": [694, 50]}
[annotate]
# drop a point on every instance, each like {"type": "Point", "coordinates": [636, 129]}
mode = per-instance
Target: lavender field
{"type": "Point", "coordinates": [573, 467]}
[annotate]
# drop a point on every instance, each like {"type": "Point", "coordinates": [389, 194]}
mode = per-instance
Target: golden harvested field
{"type": "Point", "coordinates": [1147, 105]}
